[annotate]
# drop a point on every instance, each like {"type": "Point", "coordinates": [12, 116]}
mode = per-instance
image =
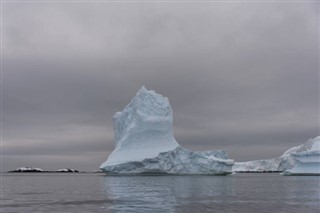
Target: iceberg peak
{"type": "Point", "coordinates": [144, 124]}
{"type": "Point", "coordinates": [142, 89]}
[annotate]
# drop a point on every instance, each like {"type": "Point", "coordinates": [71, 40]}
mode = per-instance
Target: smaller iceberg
{"type": "Point", "coordinates": [307, 162]}
{"type": "Point", "coordinates": [27, 169]}
{"type": "Point", "coordinates": [303, 159]}
{"type": "Point", "coordinates": [144, 142]}
{"type": "Point", "coordinates": [67, 170]}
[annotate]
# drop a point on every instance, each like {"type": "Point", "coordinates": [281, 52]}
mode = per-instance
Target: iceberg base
{"type": "Point", "coordinates": [179, 161]}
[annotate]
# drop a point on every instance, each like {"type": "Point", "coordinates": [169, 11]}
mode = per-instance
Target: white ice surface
{"type": "Point", "coordinates": [316, 144]}
{"type": "Point", "coordinates": [144, 142]}
{"type": "Point", "coordinates": [26, 169]}
{"type": "Point", "coordinates": [143, 129]}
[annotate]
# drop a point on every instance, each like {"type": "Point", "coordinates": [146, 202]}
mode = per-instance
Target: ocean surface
{"type": "Point", "coordinates": [95, 192]}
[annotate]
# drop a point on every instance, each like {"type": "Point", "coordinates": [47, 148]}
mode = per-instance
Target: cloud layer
{"type": "Point", "coordinates": [239, 76]}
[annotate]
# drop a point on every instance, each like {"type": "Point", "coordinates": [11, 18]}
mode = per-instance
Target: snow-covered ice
{"type": "Point", "coordinates": [144, 142]}
{"type": "Point", "coordinates": [305, 156]}
{"type": "Point", "coordinates": [67, 170]}
{"type": "Point", "coordinates": [28, 169]}
{"type": "Point", "coordinates": [307, 161]}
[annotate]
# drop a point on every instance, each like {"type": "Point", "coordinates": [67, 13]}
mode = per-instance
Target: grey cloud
{"type": "Point", "coordinates": [238, 76]}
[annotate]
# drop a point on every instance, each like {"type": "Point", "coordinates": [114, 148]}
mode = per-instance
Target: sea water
{"type": "Point", "coordinates": [96, 192]}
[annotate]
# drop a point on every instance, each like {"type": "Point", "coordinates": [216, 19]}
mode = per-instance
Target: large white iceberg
{"type": "Point", "coordinates": [144, 142]}
{"type": "Point", "coordinates": [305, 157]}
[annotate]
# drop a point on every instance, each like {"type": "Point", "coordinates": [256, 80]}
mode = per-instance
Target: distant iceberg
{"type": "Point", "coordinates": [67, 170]}
{"type": "Point", "coordinates": [305, 157]}
{"type": "Point", "coordinates": [27, 169]}
{"type": "Point", "coordinates": [144, 142]}
{"type": "Point", "coordinates": [32, 169]}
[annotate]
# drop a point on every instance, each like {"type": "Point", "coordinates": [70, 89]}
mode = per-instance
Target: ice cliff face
{"type": "Point", "coordinates": [285, 162]}
{"type": "Point", "coordinates": [144, 142]}
{"type": "Point", "coordinates": [143, 129]}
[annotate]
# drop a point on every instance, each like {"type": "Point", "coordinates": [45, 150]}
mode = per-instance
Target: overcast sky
{"type": "Point", "coordinates": [239, 76]}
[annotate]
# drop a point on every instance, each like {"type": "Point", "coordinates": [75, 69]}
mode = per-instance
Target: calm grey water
{"type": "Point", "coordinates": [92, 192]}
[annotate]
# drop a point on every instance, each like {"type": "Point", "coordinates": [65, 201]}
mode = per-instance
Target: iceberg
{"type": "Point", "coordinates": [305, 156]}
{"type": "Point", "coordinates": [27, 169]}
{"type": "Point", "coordinates": [265, 165]}
{"type": "Point", "coordinates": [67, 170]}
{"type": "Point", "coordinates": [307, 161]}
{"type": "Point", "coordinates": [144, 142]}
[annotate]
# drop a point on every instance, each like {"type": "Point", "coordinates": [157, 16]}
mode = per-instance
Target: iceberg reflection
{"type": "Point", "coordinates": [165, 193]}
